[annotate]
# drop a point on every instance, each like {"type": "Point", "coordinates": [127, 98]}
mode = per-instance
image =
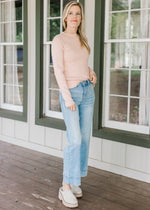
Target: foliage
{"type": "Point", "coordinates": [119, 5]}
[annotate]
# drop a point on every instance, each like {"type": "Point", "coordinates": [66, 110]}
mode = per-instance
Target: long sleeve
{"type": "Point", "coordinates": [58, 63]}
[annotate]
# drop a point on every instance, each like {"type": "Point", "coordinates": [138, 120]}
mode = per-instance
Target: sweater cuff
{"type": "Point", "coordinates": [69, 103]}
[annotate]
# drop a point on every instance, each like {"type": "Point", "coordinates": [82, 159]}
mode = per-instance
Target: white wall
{"type": "Point", "coordinates": [127, 160]}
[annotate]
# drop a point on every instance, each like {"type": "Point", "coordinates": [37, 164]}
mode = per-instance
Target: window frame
{"type": "Point", "coordinates": [126, 137]}
{"type": "Point", "coordinates": [17, 115]}
{"type": "Point", "coordinates": [40, 118]}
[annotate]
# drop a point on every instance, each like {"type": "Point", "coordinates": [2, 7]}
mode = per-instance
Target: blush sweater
{"type": "Point", "coordinates": [70, 62]}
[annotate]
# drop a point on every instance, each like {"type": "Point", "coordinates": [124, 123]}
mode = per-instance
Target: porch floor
{"type": "Point", "coordinates": [30, 180]}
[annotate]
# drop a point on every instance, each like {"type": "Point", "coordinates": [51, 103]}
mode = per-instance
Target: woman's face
{"type": "Point", "coordinates": [74, 17]}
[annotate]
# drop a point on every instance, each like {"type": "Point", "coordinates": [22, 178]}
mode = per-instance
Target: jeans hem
{"type": "Point", "coordinates": [84, 173]}
{"type": "Point", "coordinates": [72, 180]}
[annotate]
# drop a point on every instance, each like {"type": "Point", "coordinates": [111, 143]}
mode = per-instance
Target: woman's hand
{"type": "Point", "coordinates": [93, 78]}
{"type": "Point", "coordinates": [72, 107]}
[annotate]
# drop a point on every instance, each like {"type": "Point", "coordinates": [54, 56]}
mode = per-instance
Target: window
{"type": "Point", "coordinates": [49, 24]}
{"type": "Point", "coordinates": [12, 56]}
{"type": "Point", "coordinates": [127, 66]}
{"type": "Point", "coordinates": [122, 49]}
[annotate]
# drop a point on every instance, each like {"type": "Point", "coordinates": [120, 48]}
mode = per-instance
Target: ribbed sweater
{"type": "Point", "coordinates": [70, 61]}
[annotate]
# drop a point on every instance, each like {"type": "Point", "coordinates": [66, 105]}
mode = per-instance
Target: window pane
{"type": "Point", "coordinates": [144, 113]}
{"type": "Point", "coordinates": [5, 14]}
{"type": "Point", "coordinates": [134, 111]}
{"type": "Point", "coordinates": [118, 5]}
{"type": "Point", "coordinates": [18, 37]}
{"type": "Point", "coordinates": [135, 83]}
{"type": "Point", "coordinates": [8, 74]}
{"type": "Point", "coordinates": [145, 20]}
{"type": "Point", "coordinates": [52, 80]}
{"type": "Point", "coordinates": [8, 54]}
{"type": "Point", "coordinates": [135, 25]}
{"type": "Point", "coordinates": [118, 109]}
{"type": "Point", "coordinates": [53, 28]}
{"type": "Point", "coordinates": [138, 55]}
{"type": "Point", "coordinates": [120, 55]}
{"type": "Point", "coordinates": [139, 24]}
{"type": "Point", "coordinates": [135, 4]}
{"type": "Point", "coordinates": [119, 82]}
{"type": "Point", "coordinates": [18, 95]}
{"type": "Point", "coordinates": [5, 32]}
{"type": "Point", "coordinates": [119, 26]}
{"type": "Point", "coordinates": [145, 84]}
{"type": "Point", "coordinates": [18, 54]}
{"type": "Point", "coordinates": [53, 8]}
{"type": "Point", "coordinates": [18, 10]}
{"type": "Point", "coordinates": [8, 94]}
{"type": "Point", "coordinates": [18, 75]}
{"type": "Point", "coordinates": [54, 104]}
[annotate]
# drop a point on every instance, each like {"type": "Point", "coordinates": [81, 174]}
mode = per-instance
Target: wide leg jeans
{"type": "Point", "coordinates": [78, 125]}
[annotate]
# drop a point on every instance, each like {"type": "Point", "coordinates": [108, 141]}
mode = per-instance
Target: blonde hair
{"type": "Point", "coordinates": [80, 30]}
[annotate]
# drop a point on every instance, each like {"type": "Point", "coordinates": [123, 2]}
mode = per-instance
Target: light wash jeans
{"type": "Point", "coordinates": [78, 125]}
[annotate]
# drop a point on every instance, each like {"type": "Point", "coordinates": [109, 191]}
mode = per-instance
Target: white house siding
{"type": "Point", "coordinates": [127, 160]}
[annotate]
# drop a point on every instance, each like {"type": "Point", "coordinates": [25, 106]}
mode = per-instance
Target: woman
{"type": "Point", "coordinates": [70, 52]}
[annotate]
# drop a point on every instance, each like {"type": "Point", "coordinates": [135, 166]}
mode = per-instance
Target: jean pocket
{"type": "Point", "coordinates": [76, 94]}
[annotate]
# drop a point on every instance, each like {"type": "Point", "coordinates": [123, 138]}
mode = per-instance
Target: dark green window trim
{"type": "Point", "coordinates": [21, 116]}
{"type": "Point", "coordinates": [40, 119]}
{"type": "Point", "coordinates": [126, 137]}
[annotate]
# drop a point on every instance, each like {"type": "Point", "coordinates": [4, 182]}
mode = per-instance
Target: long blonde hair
{"type": "Point", "coordinates": [80, 30]}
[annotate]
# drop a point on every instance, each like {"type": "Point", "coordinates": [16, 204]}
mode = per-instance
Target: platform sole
{"type": "Point", "coordinates": [78, 195]}
{"type": "Point", "coordinates": [69, 205]}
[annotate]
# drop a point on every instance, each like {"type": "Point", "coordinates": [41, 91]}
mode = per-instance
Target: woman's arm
{"type": "Point", "coordinates": [58, 63]}
{"type": "Point", "coordinates": [92, 76]}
